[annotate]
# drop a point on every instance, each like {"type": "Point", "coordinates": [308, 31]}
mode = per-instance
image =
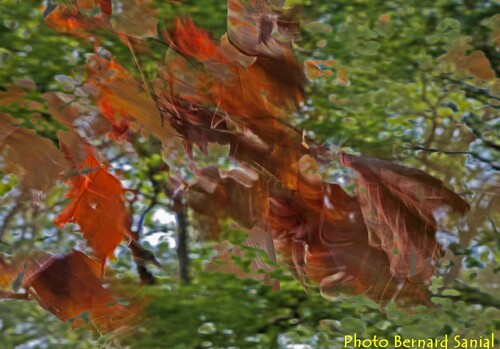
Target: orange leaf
{"type": "Point", "coordinates": [98, 207]}
{"type": "Point", "coordinates": [67, 18]}
{"type": "Point", "coordinates": [121, 95]}
{"type": "Point", "coordinates": [250, 100]}
{"type": "Point", "coordinates": [8, 273]}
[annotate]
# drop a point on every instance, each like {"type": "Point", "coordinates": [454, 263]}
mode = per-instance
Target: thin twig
{"type": "Point", "coordinates": [138, 67]}
{"type": "Point", "coordinates": [435, 150]}
{"type": "Point", "coordinates": [478, 134]}
{"type": "Point", "coordinates": [473, 154]}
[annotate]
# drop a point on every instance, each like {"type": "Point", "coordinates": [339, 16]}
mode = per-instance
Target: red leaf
{"type": "Point", "coordinates": [106, 6]}
{"type": "Point", "coordinates": [98, 207]}
{"type": "Point", "coordinates": [195, 42]}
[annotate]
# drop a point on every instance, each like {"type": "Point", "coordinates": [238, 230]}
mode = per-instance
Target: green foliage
{"type": "Point", "coordinates": [391, 50]}
{"type": "Point", "coordinates": [30, 49]}
{"type": "Point", "coordinates": [38, 329]}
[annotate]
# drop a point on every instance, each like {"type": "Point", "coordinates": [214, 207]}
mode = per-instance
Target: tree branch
{"type": "Point", "coordinates": [478, 134]}
{"type": "Point", "coordinates": [473, 154]}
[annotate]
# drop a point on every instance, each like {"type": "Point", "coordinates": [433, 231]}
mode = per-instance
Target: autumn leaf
{"type": "Point", "coordinates": [120, 126]}
{"type": "Point", "coordinates": [399, 206]}
{"type": "Point", "coordinates": [313, 69]}
{"type": "Point", "coordinates": [106, 6]}
{"type": "Point", "coordinates": [241, 92]}
{"type": "Point", "coordinates": [11, 95]}
{"type": "Point", "coordinates": [250, 101]}
{"type": "Point", "coordinates": [479, 66]}
{"type": "Point", "coordinates": [122, 98]}
{"type": "Point", "coordinates": [319, 233]}
{"type": "Point", "coordinates": [136, 18]}
{"type": "Point", "coordinates": [476, 63]}
{"type": "Point", "coordinates": [238, 193]}
{"type": "Point", "coordinates": [16, 269]}
{"type": "Point", "coordinates": [98, 207]}
{"type": "Point", "coordinates": [68, 18]}
{"type": "Point", "coordinates": [35, 160]}
{"type": "Point", "coordinates": [9, 271]}
{"type": "Point", "coordinates": [69, 285]}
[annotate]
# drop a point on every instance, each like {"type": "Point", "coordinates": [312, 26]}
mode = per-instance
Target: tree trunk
{"type": "Point", "coordinates": [141, 258]}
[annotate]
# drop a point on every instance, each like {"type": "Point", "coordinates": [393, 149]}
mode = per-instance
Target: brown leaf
{"type": "Point", "coordinates": [69, 285]}
{"type": "Point", "coordinates": [106, 6]}
{"type": "Point", "coordinates": [26, 83]}
{"type": "Point", "coordinates": [238, 193]}
{"type": "Point", "coordinates": [36, 161]}
{"type": "Point", "coordinates": [263, 88]}
{"type": "Point", "coordinates": [319, 233]}
{"type": "Point", "coordinates": [398, 205]}
{"type": "Point", "coordinates": [136, 19]}
{"type": "Point", "coordinates": [250, 100]}
{"type": "Point", "coordinates": [475, 63]}
{"type": "Point", "coordinates": [479, 66]}
{"type": "Point", "coordinates": [15, 270]}
{"type": "Point", "coordinates": [12, 95]}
